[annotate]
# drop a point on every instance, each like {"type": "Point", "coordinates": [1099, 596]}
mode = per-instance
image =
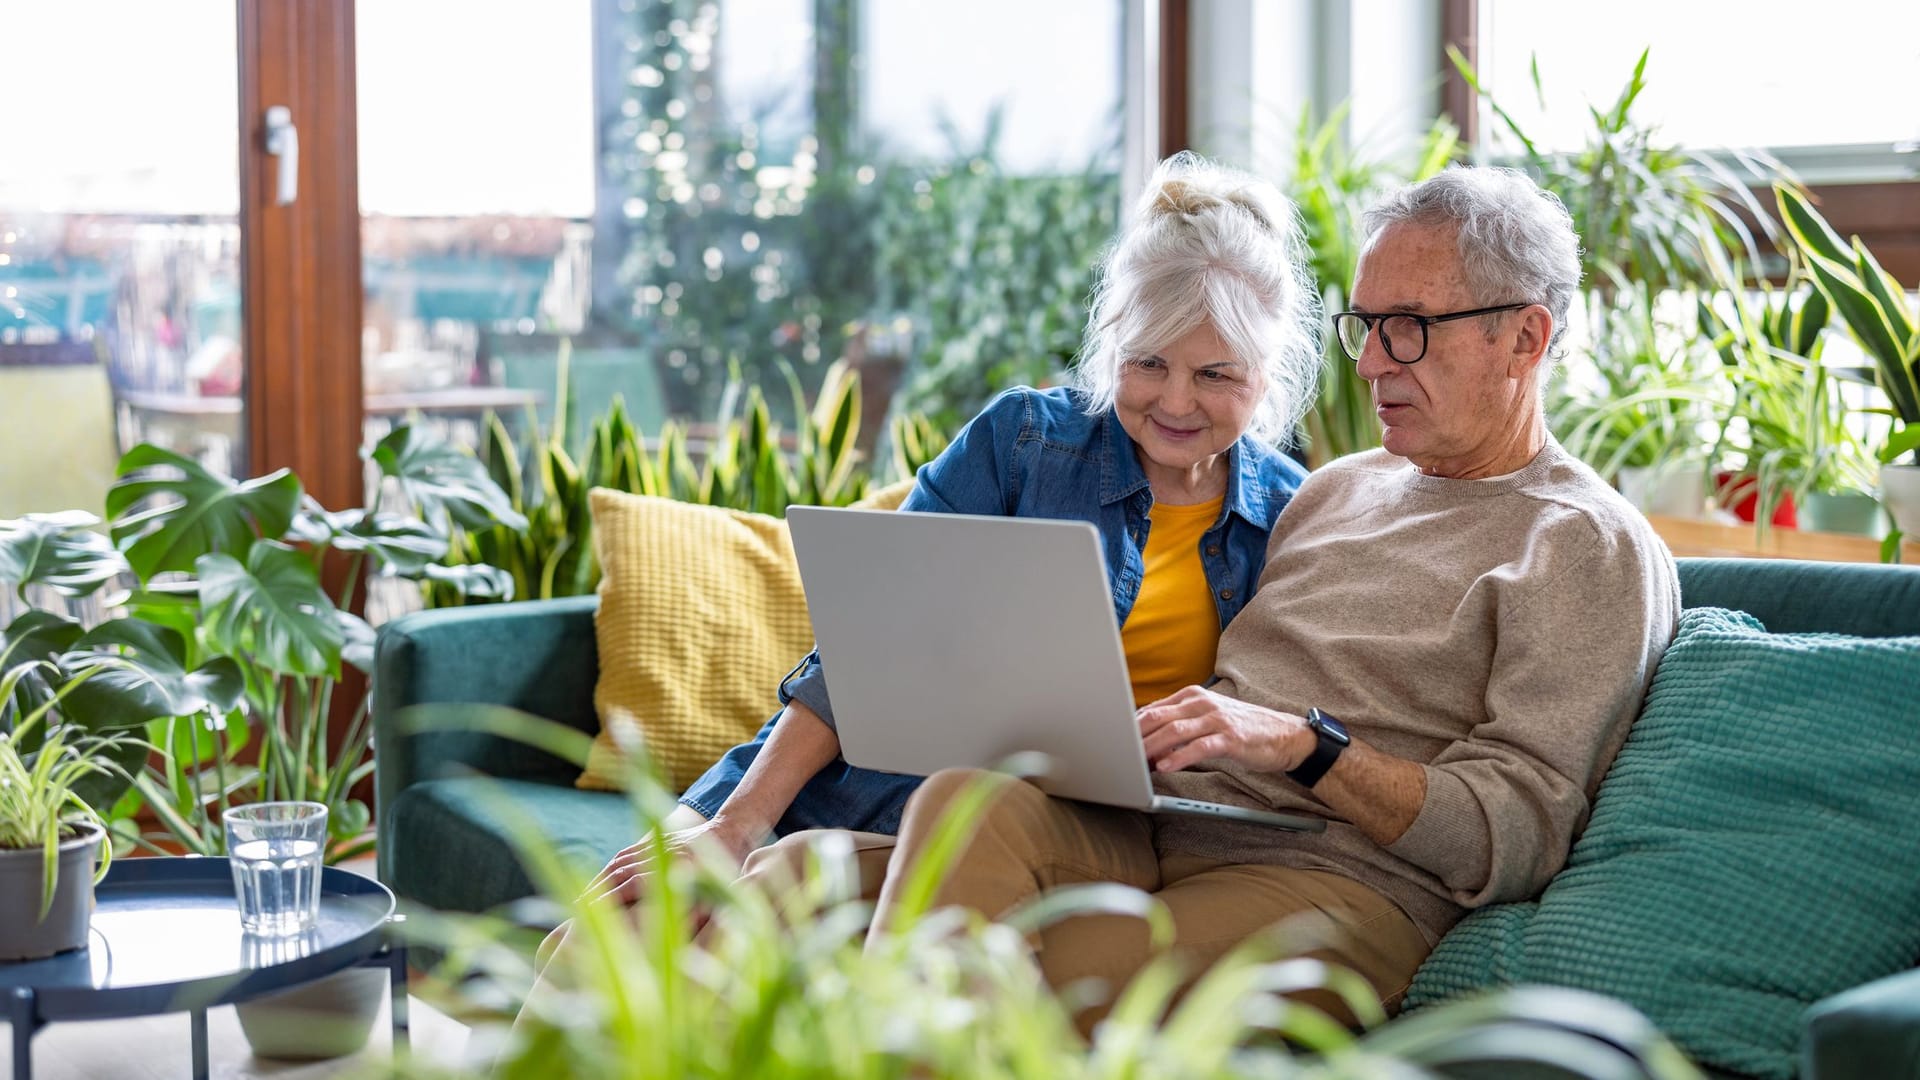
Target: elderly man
{"type": "Point", "coordinates": [1449, 641]}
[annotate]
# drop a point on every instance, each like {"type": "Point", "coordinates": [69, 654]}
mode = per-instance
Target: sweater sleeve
{"type": "Point", "coordinates": [1572, 661]}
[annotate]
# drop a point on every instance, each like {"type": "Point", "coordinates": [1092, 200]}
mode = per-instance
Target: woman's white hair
{"type": "Point", "coordinates": [1208, 244]}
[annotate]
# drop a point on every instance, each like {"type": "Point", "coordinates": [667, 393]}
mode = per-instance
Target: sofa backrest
{"type": "Point", "coordinates": [1794, 596]}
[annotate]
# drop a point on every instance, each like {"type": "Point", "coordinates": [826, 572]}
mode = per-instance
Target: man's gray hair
{"type": "Point", "coordinates": [1515, 239]}
{"type": "Point", "coordinates": [1208, 244]}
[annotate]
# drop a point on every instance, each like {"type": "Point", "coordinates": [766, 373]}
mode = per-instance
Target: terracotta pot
{"type": "Point", "coordinates": [24, 933]}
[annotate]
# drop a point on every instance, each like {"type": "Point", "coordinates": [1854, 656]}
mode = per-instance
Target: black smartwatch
{"type": "Point", "coordinates": [1333, 739]}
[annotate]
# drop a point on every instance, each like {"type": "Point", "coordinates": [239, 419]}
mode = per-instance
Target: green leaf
{"type": "Point", "coordinates": [198, 512]}
{"type": "Point", "coordinates": [398, 544]}
{"type": "Point", "coordinates": [1809, 230]}
{"type": "Point", "coordinates": [1903, 441]}
{"type": "Point", "coordinates": [356, 640]}
{"type": "Point", "coordinates": [37, 635]}
{"type": "Point", "coordinates": [442, 480]}
{"type": "Point", "coordinates": [475, 581]}
{"type": "Point", "coordinates": [271, 611]}
{"type": "Point", "coordinates": [60, 551]}
{"type": "Point", "coordinates": [142, 675]}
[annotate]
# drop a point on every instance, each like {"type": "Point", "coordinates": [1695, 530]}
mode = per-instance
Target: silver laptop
{"type": "Point", "coordinates": [960, 641]}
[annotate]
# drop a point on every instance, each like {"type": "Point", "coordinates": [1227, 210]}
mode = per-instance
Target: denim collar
{"type": "Point", "coordinates": [1121, 475]}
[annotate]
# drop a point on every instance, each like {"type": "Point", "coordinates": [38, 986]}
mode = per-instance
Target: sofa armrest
{"type": "Point", "coordinates": [1867, 1032]}
{"type": "Point", "coordinates": [537, 656]}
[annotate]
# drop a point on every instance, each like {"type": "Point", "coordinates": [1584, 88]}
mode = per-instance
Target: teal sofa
{"type": "Point", "coordinates": [443, 836]}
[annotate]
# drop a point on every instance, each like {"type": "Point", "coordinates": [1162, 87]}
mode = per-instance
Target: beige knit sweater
{"type": "Point", "coordinates": [1501, 632]}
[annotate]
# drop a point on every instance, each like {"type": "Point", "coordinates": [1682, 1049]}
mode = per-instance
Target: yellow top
{"type": "Point", "coordinates": [1174, 628]}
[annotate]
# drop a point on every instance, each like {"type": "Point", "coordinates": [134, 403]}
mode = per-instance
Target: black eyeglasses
{"type": "Point", "coordinates": [1404, 336]}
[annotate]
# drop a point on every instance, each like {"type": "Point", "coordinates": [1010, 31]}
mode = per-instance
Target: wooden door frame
{"type": "Point", "coordinates": [300, 264]}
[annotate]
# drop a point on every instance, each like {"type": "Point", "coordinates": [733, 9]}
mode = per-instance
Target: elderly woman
{"type": "Point", "coordinates": [1201, 352]}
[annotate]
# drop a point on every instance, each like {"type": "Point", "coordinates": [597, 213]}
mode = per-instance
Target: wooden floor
{"type": "Point", "coordinates": [159, 1048]}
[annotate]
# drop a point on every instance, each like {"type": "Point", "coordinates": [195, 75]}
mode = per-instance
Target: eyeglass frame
{"type": "Point", "coordinates": [1425, 321]}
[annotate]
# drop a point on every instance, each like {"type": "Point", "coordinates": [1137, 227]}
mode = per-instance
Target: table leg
{"type": "Point", "coordinates": [25, 1024]}
{"type": "Point", "coordinates": [199, 1022]}
{"type": "Point", "coordinates": [397, 961]}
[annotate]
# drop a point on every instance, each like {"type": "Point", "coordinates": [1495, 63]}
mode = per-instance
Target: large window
{"type": "Point", "coordinates": [120, 294]}
{"type": "Point", "coordinates": [682, 191]}
{"type": "Point", "coordinates": [1827, 87]}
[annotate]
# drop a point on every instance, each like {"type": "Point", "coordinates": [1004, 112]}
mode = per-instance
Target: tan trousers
{"type": "Point", "coordinates": [1027, 842]}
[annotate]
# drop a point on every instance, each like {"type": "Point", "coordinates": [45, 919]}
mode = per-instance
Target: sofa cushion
{"type": "Point", "coordinates": [450, 841]}
{"type": "Point", "coordinates": [701, 615]}
{"type": "Point", "coordinates": [1751, 851]}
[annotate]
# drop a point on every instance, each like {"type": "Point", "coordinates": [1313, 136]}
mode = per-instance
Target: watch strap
{"type": "Point", "coordinates": [1325, 752]}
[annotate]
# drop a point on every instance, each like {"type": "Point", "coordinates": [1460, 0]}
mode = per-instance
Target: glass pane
{"type": "Point", "coordinates": [119, 244]}
{"type": "Point", "coordinates": [686, 189]}
{"type": "Point", "coordinates": [1706, 57]}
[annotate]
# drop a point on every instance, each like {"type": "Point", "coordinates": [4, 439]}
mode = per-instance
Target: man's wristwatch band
{"type": "Point", "coordinates": [1333, 739]}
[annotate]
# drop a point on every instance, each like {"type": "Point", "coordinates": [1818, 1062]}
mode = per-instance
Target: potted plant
{"type": "Point", "coordinates": [69, 695]}
{"type": "Point", "coordinates": [53, 844]}
{"type": "Point", "coordinates": [1645, 413]}
{"type": "Point", "coordinates": [230, 649]}
{"type": "Point", "coordinates": [1789, 423]}
{"type": "Point", "coordinates": [1885, 321]}
{"type": "Point", "coordinates": [235, 573]}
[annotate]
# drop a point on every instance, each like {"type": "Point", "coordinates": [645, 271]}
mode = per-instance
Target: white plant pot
{"type": "Point", "coordinates": [327, 1018]}
{"type": "Point", "coordinates": [1671, 491]}
{"type": "Point", "coordinates": [1900, 486]}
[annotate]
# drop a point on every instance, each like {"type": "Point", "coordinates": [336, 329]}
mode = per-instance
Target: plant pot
{"type": "Point", "coordinates": [1900, 488]}
{"type": "Point", "coordinates": [1741, 494]}
{"type": "Point", "coordinates": [327, 1018]}
{"type": "Point", "coordinates": [1849, 512]}
{"type": "Point", "coordinates": [23, 934]}
{"type": "Point", "coordinates": [1674, 492]}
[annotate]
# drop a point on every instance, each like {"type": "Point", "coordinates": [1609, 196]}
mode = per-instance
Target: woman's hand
{"type": "Point", "coordinates": [1195, 724]}
{"type": "Point", "coordinates": [715, 840]}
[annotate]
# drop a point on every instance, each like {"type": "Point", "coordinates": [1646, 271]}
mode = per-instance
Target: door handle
{"type": "Point", "coordinates": [283, 142]}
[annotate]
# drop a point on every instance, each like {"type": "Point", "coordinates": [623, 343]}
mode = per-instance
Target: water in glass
{"type": "Point", "coordinates": [278, 885]}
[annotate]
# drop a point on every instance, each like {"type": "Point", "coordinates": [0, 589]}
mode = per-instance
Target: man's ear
{"type": "Point", "coordinates": [1533, 332]}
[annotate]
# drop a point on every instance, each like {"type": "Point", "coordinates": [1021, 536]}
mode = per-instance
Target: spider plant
{"type": "Point", "coordinates": [1652, 404]}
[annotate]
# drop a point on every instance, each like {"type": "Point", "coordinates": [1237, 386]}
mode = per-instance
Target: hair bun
{"type": "Point", "coordinates": [1181, 197]}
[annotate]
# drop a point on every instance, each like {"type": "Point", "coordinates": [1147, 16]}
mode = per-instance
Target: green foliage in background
{"type": "Point", "coordinates": [1877, 310]}
{"type": "Point", "coordinates": [1333, 185]}
{"type": "Point", "coordinates": [1787, 430]}
{"type": "Point", "coordinates": [1658, 402]}
{"type": "Point", "coordinates": [232, 644]}
{"type": "Point", "coordinates": [744, 255]}
{"type": "Point", "coordinates": [994, 270]}
{"type": "Point", "coordinates": [745, 462]}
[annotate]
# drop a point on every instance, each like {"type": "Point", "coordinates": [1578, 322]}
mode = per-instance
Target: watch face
{"type": "Point", "coordinates": [1334, 729]}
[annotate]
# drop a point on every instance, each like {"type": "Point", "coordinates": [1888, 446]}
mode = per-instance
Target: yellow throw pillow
{"type": "Point", "coordinates": [701, 614]}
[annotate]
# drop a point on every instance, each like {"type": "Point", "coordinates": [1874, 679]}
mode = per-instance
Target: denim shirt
{"type": "Point", "coordinates": [1032, 453]}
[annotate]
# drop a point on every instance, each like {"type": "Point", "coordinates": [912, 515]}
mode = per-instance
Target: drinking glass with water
{"type": "Point", "coordinates": [274, 849]}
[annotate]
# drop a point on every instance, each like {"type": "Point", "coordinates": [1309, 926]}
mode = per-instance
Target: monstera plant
{"type": "Point", "coordinates": [237, 628]}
